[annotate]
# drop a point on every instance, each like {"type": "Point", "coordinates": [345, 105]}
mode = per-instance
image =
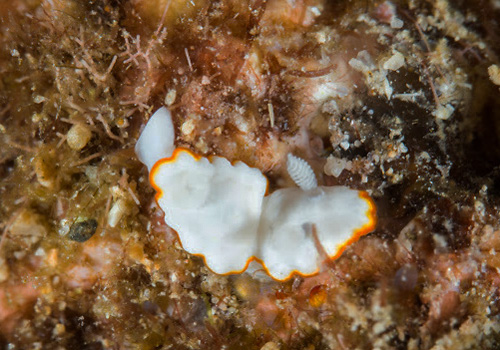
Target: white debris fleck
{"type": "Point", "coordinates": [39, 99]}
{"type": "Point", "coordinates": [379, 328]}
{"type": "Point", "coordinates": [402, 148]}
{"type": "Point", "coordinates": [173, 277]}
{"type": "Point", "coordinates": [410, 97]}
{"type": "Point", "coordinates": [118, 210]}
{"type": "Point", "coordinates": [330, 89]}
{"type": "Point", "coordinates": [321, 37]}
{"type": "Point", "coordinates": [270, 346]}
{"type": "Point", "coordinates": [4, 270]}
{"type": "Point", "coordinates": [330, 107]}
{"type": "Point", "coordinates": [334, 166]}
{"type": "Point", "coordinates": [376, 78]}
{"type": "Point", "coordinates": [19, 254]}
{"type": "Point", "coordinates": [363, 62]}
{"type": "Point", "coordinates": [439, 241]}
{"type": "Point", "coordinates": [315, 11]}
{"type": "Point", "coordinates": [395, 62]}
{"type": "Point", "coordinates": [205, 80]}
{"type": "Point", "coordinates": [40, 252]}
{"type": "Point", "coordinates": [494, 72]}
{"type": "Point", "coordinates": [345, 145]}
{"type": "Point", "coordinates": [170, 97]}
{"type": "Point", "coordinates": [444, 112]}
{"type": "Point", "coordinates": [241, 124]}
{"type": "Point", "coordinates": [396, 23]}
{"type": "Point", "coordinates": [187, 127]}
{"type": "Point", "coordinates": [387, 88]}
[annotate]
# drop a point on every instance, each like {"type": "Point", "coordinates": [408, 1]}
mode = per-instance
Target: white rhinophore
{"type": "Point", "coordinates": [221, 212]}
{"type": "Point", "coordinates": [157, 138]}
{"type": "Point", "coordinates": [301, 172]}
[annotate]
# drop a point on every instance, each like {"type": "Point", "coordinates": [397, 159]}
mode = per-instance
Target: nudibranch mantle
{"type": "Point", "coordinates": [221, 212]}
{"type": "Point", "coordinates": [215, 207]}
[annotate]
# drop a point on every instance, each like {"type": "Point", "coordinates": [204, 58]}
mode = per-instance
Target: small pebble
{"type": "Point", "coordinates": [494, 73]}
{"type": "Point", "coordinates": [270, 346]}
{"type": "Point", "coordinates": [444, 112]}
{"type": "Point", "coordinates": [118, 210]}
{"type": "Point", "coordinates": [82, 231]}
{"type": "Point", "coordinates": [396, 23]}
{"type": "Point", "coordinates": [187, 127]}
{"type": "Point", "coordinates": [4, 270]}
{"type": "Point", "coordinates": [170, 97]}
{"type": "Point", "coordinates": [395, 62]}
{"type": "Point", "coordinates": [78, 136]}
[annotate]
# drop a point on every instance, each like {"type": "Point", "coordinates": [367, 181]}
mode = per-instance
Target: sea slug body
{"type": "Point", "coordinates": [222, 213]}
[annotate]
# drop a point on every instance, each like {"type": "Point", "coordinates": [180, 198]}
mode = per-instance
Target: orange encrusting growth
{"type": "Point", "coordinates": [358, 233]}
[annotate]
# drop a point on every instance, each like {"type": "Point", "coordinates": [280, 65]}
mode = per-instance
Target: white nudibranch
{"type": "Point", "coordinates": [221, 211]}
